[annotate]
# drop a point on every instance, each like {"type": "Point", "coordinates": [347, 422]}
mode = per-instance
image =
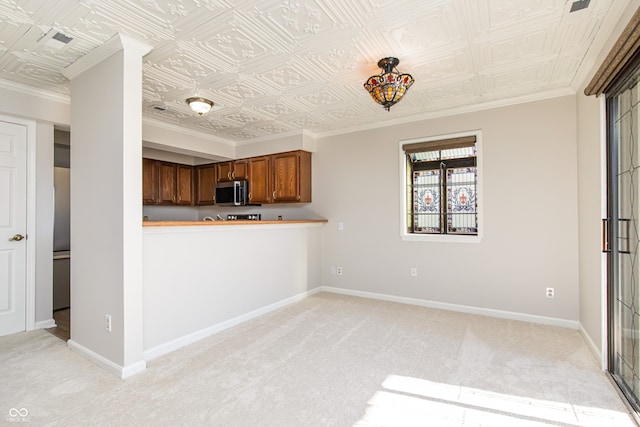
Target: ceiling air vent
{"type": "Point", "coordinates": [62, 38]}
{"type": "Point", "coordinates": [55, 39]}
{"type": "Point", "coordinates": [579, 5]}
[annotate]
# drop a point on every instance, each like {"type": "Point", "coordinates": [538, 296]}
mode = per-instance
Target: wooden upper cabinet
{"type": "Point", "coordinates": [277, 178]}
{"type": "Point", "coordinates": [291, 177]}
{"type": "Point", "coordinates": [260, 180]}
{"type": "Point", "coordinates": [184, 185]}
{"type": "Point", "coordinates": [223, 171]}
{"type": "Point", "coordinates": [231, 171]}
{"type": "Point", "coordinates": [149, 181]}
{"type": "Point", "coordinates": [166, 183]}
{"type": "Point", "coordinates": [280, 178]}
{"type": "Point", "coordinates": [167, 176]}
{"type": "Point", "coordinates": [241, 169]}
{"type": "Point", "coordinates": [205, 177]}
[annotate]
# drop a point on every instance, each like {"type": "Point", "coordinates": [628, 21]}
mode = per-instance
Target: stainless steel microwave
{"type": "Point", "coordinates": [232, 193]}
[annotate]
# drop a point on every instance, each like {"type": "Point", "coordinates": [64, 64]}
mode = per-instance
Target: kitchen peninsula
{"type": "Point", "coordinates": [201, 277]}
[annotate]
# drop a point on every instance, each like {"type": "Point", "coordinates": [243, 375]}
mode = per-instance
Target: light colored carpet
{"type": "Point", "coordinates": [329, 360]}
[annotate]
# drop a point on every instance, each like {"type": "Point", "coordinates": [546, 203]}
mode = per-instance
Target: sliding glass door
{"type": "Point", "coordinates": [623, 231]}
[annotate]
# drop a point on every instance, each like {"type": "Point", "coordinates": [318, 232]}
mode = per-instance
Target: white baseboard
{"type": "Point", "coordinates": [592, 346]}
{"type": "Point", "coordinates": [552, 321]}
{"type": "Point", "coordinates": [44, 324]}
{"type": "Point", "coordinates": [173, 345]}
{"type": "Point", "coordinates": [106, 364]}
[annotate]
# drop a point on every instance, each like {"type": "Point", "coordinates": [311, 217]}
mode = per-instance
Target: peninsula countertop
{"type": "Point", "coordinates": [229, 222]}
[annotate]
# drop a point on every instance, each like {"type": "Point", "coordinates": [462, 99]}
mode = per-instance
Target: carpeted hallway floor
{"type": "Point", "coordinates": [329, 360]}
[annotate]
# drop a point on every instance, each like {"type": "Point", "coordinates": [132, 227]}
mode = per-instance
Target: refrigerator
{"type": "Point", "coordinates": [61, 238]}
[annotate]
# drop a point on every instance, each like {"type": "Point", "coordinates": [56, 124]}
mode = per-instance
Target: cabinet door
{"type": "Point", "coordinates": [230, 171]}
{"type": "Point", "coordinates": [184, 185]}
{"type": "Point", "coordinates": [149, 181]}
{"type": "Point", "coordinates": [224, 171]}
{"type": "Point", "coordinates": [240, 169]}
{"type": "Point", "coordinates": [167, 176]}
{"type": "Point", "coordinates": [292, 177]}
{"type": "Point", "coordinates": [205, 184]}
{"type": "Point", "coordinates": [259, 179]}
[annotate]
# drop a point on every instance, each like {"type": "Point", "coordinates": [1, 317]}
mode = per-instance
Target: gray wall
{"type": "Point", "coordinates": [530, 209]}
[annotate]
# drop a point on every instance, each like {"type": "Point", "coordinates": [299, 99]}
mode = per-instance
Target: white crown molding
{"type": "Point", "coordinates": [454, 111]}
{"type": "Point", "coordinates": [315, 135]}
{"type": "Point", "coordinates": [30, 90]}
{"type": "Point", "coordinates": [298, 132]}
{"type": "Point", "coordinates": [607, 28]}
{"type": "Point", "coordinates": [187, 131]}
{"type": "Point", "coordinates": [114, 44]}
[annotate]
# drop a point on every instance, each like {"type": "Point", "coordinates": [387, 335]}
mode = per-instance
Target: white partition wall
{"type": "Point", "coordinates": [199, 280]}
{"type": "Point", "coordinates": [106, 181]}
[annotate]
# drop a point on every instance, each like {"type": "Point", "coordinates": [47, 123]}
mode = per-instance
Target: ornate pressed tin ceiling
{"type": "Point", "coordinates": [278, 66]}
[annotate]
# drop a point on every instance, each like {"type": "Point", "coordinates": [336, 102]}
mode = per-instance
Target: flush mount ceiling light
{"type": "Point", "coordinates": [199, 105]}
{"type": "Point", "coordinates": [388, 87]}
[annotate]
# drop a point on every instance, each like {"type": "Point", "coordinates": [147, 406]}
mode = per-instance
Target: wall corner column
{"type": "Point", "coordinates": [106, 208]}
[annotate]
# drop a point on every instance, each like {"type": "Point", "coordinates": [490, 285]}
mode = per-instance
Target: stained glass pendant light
{"type": "Point", "coordinates": [388, 87]}
{"type": "Point", "coordinates": [199, 105]}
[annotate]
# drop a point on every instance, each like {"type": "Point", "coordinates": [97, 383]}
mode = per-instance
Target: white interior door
{"type": "Point", "coordinates": [13, 227]}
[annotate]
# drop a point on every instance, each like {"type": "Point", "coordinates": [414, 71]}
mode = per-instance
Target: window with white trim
{"type": "Point", "coordinates": [442, 186]}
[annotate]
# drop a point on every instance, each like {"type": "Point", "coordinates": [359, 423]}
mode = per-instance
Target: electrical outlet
{"type": "Point", "coordinates": [551, 292]}
{"type": "Point", "coordinates": [107, 323]}
{"type": "Point", "coordinates": [414, 272]}
{"type": "Point", "coordinates": [339, 271]}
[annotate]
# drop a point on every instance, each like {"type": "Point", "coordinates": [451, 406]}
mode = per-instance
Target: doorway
{"type": "Point", "coordinates": [623, 158]}
{"type": "Point", "coordinates": [62, 235]}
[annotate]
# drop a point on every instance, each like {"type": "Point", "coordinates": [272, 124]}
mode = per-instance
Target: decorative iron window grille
{"type": "Point", "coordinates": [442, 184]}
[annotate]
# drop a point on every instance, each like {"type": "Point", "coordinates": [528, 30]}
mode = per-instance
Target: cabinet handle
{"type": "Point", "coordinates": [174, 198]}
{"type": "Point", "coordinates": [274, 194]}
{"type": "Point", "coordinates": [233, 174]}
{"type": "Point", "coordinates": [249, 195]}
{"type": "Point", "coordinates": [229, 175]}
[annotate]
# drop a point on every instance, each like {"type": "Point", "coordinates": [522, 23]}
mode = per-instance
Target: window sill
{"type": "Point", "coordinates": [440, 238]}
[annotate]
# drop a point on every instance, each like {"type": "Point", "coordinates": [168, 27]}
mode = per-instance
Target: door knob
{"type": "Point", "coordinates": [17, 237]}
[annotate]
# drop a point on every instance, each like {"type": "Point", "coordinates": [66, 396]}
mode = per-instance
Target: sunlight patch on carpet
{"type": "Point", "coordinates": [411, 401]}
